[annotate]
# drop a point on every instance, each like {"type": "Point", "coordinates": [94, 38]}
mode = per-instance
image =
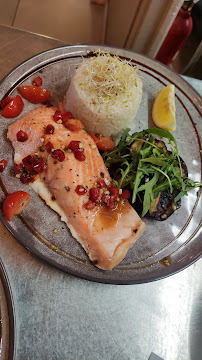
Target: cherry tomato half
{"type": "Point", "coordinates": [125, 195]}
{"type": "Point", "coordinates": [61, 108]}
{"type": "Point", "coordinates": [95, 137]}
{"type": "Point", "coordinates": [37, 81]}
{"type": "Point", "coordinates": [90, 205]}
{"type": "Point", "coordinates": [6, 101]}
{"type": "Point", "coordinates": [15, 203]}
{"type": "Point", "coordinates": [103, 143]}
{"type": "Point", "coordinates": [34, 94]}
{"type": "Point", "coordinates": [13, 108]}
{"type": "Point", "coordinates": [73, 125]}
{"type": "Point", "coordinates": [66, 116]}
{"type": "Point", "coordinates": [21, 136]}
{"type": "Point", "coordinates": [80, 190]}
{"type": "Point", "coordinates": [3, 164]}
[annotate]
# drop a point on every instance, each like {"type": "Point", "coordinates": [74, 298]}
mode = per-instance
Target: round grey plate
{"type": "Point", "coordinates": [7, 317]}
{"type": "Point", "coordinates": [177, 237]}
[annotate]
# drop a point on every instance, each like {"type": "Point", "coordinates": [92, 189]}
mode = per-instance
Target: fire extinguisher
{"type": "Point", "coordinates": [178, 33]}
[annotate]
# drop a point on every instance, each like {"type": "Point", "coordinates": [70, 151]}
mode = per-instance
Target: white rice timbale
{"type": "Point", "coordinates": [105, 93]}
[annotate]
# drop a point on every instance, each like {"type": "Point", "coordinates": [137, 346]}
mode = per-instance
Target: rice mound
{"type": "Point", "coordinates": [105, 93]}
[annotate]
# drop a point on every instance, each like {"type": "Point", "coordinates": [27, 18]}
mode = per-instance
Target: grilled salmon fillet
{"type": "Point", "coordinates": [105, 234]}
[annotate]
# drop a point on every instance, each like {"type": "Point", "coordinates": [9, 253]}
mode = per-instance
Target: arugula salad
{"type": "Point", "coordinates": [156, 177]}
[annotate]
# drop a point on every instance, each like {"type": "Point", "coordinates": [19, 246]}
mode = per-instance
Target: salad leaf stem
{"type": "Point", "coordinates": [162, 172]}
{"type": "Point", "coordinates": [125, 173]}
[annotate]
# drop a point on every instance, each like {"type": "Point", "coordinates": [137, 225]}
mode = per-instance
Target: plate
{"type": "Point", "coordinates": [178, 237]}
{"type": "Point", "coordinates": [7, 317]}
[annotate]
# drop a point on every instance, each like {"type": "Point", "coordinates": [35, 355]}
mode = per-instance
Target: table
{"type": "Point", "coordinates": [62, 317]}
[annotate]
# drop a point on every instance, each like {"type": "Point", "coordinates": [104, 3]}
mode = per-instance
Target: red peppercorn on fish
{"type": "Point", "coordinates": [73, 185]}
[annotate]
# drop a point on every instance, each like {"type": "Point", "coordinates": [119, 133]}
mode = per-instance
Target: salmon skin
{"type": "Point", "coordinates": [105, 234]}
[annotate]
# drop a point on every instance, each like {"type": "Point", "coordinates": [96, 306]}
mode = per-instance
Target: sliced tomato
{"type": "Point", "coordinates": [21, 136]}
{"type": "Point", "coordinates": [101, 184]}
{"type": "Point", "coordinates": [90, 205]}
{"type": "Point", "coordinates": [74, 145]}
{"type": "Point", "coordinates": [34, 94]}
{"type": "Point", "coordinates": [13, 108]}
{"type": "Point", "coordinates": [73, 125]}
{"type": "Point", "coordinates": [105, 198]}
{"type": "Point", "coordinates": [61, 108]}
{"type": "Point", "coordinates": [6, 101]}
{"type": "Point", "coordinates": [49, 147]}
{"type": "Point", "coordinates": [95, 137]}
{"type": "Point", "coordinates": [111, 203]}
{"type": "Point", "coordinates": [80, 190]}
{"type": "Point", "coordinates": [94, 194]}
{"type": "Point", "coordinates": [66, 116]}
{"type": "Point", "coordinates": [105, 143]}
{"type": "Point", "coordinates": [114, 191]}
{"type": "Point", "coordinates": [125, 195]}
{"type": "Point", "coordinates": [59, 155]}
{"type": "Point", "coordinates": [37, 81]}
{"type": "Point", "coordinates": [79, 155]}
{"type": "Point", "coordinates": [3, 164]}
{"type": "Point", "coordinates": [49, 129]}
{"type": "Point", "coordinates": [15, 203]}
{"type": "Point", "coordinates": [57, 116]}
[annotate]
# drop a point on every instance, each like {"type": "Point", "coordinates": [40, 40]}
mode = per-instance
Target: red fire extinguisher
{"type": "Point", "coordinates": [178, 33]}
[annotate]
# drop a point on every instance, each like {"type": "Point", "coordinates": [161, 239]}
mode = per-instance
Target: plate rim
{"type": "Point", "coordinates": [11, 311]}
{"type": "Point", "coordinates": [88, 48]}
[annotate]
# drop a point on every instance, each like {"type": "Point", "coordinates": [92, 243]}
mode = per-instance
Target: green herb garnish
{"type": "Point", "coordinates": [41, 148]}
{"type": "Point", "coordinates": [142, 163]}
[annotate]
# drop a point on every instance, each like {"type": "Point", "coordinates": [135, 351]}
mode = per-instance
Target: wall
{"type": "Point", "coordinates": [140, 25]}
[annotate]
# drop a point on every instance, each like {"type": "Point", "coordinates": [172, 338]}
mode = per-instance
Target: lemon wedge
{"type": "Point", "coordinates": [163, 111]}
